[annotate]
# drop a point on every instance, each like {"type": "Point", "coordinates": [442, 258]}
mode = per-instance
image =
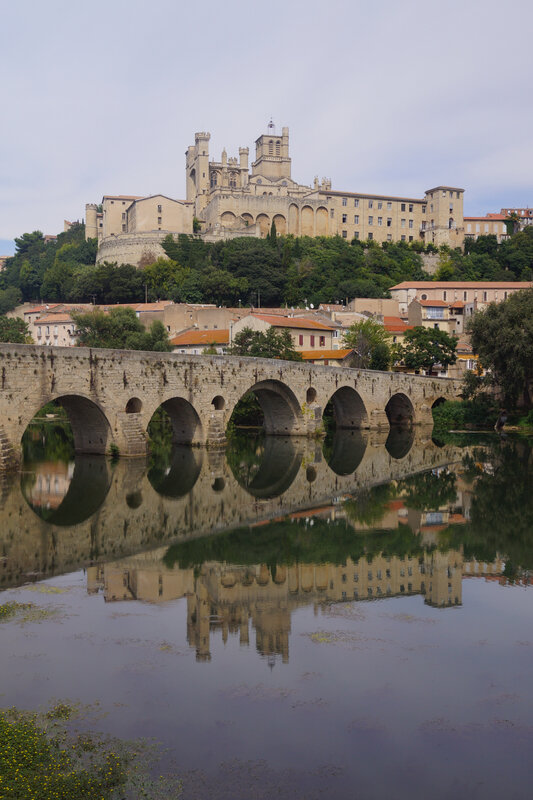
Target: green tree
{"type": "Point", "coordinates": [371, 343]}
{"type": "Point", "coordinates": [502, 336]}
{"type": "Point", "coordinates": [272, 344]}
{"type": "Point", "coordinates": [14, 330]}
{"type": "Point", "coordinates": [424, 347]}
{"type": "Point", "coordinates": [120, 329]}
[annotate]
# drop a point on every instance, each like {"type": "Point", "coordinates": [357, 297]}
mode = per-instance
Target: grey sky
{"type": "Point", "coordinates": [390, 97]}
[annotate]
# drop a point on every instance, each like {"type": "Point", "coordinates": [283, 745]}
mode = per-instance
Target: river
{"type": "Point", "coordinates": [287, 618]}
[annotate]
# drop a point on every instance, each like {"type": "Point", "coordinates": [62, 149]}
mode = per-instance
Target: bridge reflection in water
{"type": "Point", "coordinates": [309, 523]}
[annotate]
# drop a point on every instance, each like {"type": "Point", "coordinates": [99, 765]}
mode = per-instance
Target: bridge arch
{"type": "Point", "coordinates": [281, 410]}
{"type": "Point", "coordinates": [186, 424]}
{"type": "Point", "coordinates": [348, 408]}
{"type": "Point", "coordinates": [400, 410]}
{"type": "Point", "coordinates": [438, 402]}
{"type": "Point", "coordinates": [90, 426]}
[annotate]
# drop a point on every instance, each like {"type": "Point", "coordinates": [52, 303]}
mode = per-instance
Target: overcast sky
{"type": "Point", "coordinates": [392, 97]}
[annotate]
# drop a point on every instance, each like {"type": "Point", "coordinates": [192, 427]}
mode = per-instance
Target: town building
{"type": "Point", "coordinates": [229, 197]}
{"type": "Point", "coordinates": [479, 292]}
{"type": "Point", "coordinates": [195, 342]}
{"type": "Point", "coordinates": [306, 334]}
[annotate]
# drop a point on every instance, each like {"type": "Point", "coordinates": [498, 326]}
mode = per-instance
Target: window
{"type": "Point", "coordinates": [486, 227]}
{"type": "Point", "coordinates": [356, 235]}
{"type": "Point", "coordinates": [159, 209]}
{"type": "Point", "coordinates": [380, 205]}
{"type": "Point", "coordinates": [410, 223]}
{"type": "Point", "coordinates": [123, 229]}
{"type": "Point", "coordinates": [312, 340]}
{"type": "Point", "coordinates": [345, 234]}
{"type": "Point", "coordinates": [403, 222]}
{"type": "Point", "coordinates": [402, 207]}
{"type": "Point", "coordinates": [159, 220]}
{"type": "Point", "coordinates": [300, 340]}
{"type": "Point", "coordinates": [477, 228]}
{"type": "Point", "coordinates": [380, 220]}
{"type": "Point", "coordinates": [389, 237]}
{"type": "Point", "coordinates": [371, 220]}
{"type": "Point", "coordinates": [370, 237]}
{"type": "Point", "coordinates": [271, 148]}
{"type": "Point", "coordinates": [356, 203]}
{"type": "Point", "coordinates": [465, 295]}
{"type": "Point", "coordinates": [410, 208]}
{"type": "Point", "coordinates": [402, 237]}
{"type": "Point", "coordinates": [344, 217]}
{"type": "Point", "coordinates": [278, 146]}
{"type": "Point", "coordinates": [485, 296]}
{"type": "Point", "coordinates": [410, 238]}
{"type": "Point", "coordinates": [369, 574]}
{"type": "Point", "coordinates": [123, 215]}
{"type": "Point", "coordinates": [344, 201]}
{"type": "Point", "coordinates": [444, 192]}
{"type": "Point", "coordinates": [355, 577]}
{"type": "Point", "coordinates": [389, 206]}
{"type": "Point", "coordinates": [431, 207]}
{"type": "Point", "coordinates": [435, 313]}
{"type": "Point", "coordinates": [444, 295]}
{"type": "Point", "coordinates": [389, 222]}
{"type": "Point", "coordinates": [322, 341]}
{"type": "Point", "coordinates": [423, 225]}
{"type": "Point", "coordinates": [424, 209]}
{"type": "Point", "coordinates": [371, 204]}
{"type": "Point", "coordinates": [378, 574]}
{"type": "Point", "coordinates": [332, 212]}
{"type": "Point", "coordinates": [457, 195]}
{"type": "Point", "coordinates": [356, 219]}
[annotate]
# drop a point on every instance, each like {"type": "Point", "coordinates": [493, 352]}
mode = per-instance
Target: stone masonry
{"type": "Point", "coordinates": [111, 395]}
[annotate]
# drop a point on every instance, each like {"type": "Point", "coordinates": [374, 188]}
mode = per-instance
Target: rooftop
{"type": "Point", "coordinates": [208, 337]}
{"type": "Point", "coordinates": [312, 355]}
{"type": "Point", "coordinates": [292, 322]}
{"type": "Point", "coordinates": [462, 285]}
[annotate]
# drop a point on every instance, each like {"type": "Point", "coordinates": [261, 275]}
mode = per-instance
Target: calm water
{"type": "Point", "coordinates": [287, 619]}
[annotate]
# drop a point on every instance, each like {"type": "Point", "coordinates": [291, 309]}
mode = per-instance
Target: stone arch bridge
{"type": "Point", "coordinates": [110, 396]}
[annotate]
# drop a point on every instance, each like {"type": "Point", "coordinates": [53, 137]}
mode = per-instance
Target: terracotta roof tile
{"type": "Point", "coordinates": [309, 355]}
{"type": "Point", "coordinates": [201, 337]}
{"type": "Point", "coordinates": [292, 322]}
{"type": "Point", "coordinates": [463, 285]}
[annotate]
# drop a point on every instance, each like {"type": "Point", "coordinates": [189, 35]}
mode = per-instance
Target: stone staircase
{"type": "Point", "coordinates": [133, 435]}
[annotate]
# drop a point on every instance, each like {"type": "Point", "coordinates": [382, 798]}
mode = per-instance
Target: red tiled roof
{"type": "Point", "coordinates": [292, 322]}
{"type": "Point", "coordinates": [201, 337]}
{"type": "Point", "coordinates": [463, 285]}
{"type": "Point", "coordinates": [44, 307]}
{"type": "Point", "coordinates": [53, 319]}
{"type": "Point", "coordinates": [309, 355]}
{"type": "Point", "coordinates": [432, 303]}
{"type": "Point", "coordinates": [396, 324]}
{"type": "Point", "coordinates": [486, 218]}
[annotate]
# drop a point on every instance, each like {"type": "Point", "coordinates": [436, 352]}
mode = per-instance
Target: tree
{"type": "Point", "coordinates": [120, 329]}
{"type": "Point", "coordinates": [14, 330]}
{"type": "Point", "coordinates": [424, 347]}
{"type": "Point", "coordinates": [371, 343]}
{"type": "Point", "coordinates": [502, 336]}
{"type": "Point", "coordinates": [272, 344]}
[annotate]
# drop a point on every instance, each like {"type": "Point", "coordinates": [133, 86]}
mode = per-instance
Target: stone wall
{"type": "Point", "coordinates": [131, 248]}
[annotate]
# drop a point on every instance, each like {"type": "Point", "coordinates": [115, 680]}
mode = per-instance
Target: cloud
{"type": "Point", "coordinates": [389, 97]}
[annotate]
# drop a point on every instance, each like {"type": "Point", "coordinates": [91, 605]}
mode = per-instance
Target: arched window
{"type": "Point", "coordinates": [214, 179]}
{"type": "Point", "coordinates": [233, 180]}
{"type": "Point", "coordinates": [271, 148]}
{"type": "Point", "coordinates": [278, 148]}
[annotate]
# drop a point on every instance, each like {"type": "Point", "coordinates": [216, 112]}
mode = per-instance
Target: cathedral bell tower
{"type": "Point", "coordinates": [272, 154]}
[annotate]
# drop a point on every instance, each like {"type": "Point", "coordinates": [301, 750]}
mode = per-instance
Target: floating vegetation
{"type": "Point", "coordinates": [10, 610]}
{"type": "Point", "coordinates": [42, 757]}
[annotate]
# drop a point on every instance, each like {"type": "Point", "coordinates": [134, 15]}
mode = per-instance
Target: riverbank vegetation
{"type": "Point", "coordinates": [286, 270]}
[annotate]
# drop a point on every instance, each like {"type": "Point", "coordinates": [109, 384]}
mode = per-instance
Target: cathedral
{"type": "Point", "coordinates": [230, 198]}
